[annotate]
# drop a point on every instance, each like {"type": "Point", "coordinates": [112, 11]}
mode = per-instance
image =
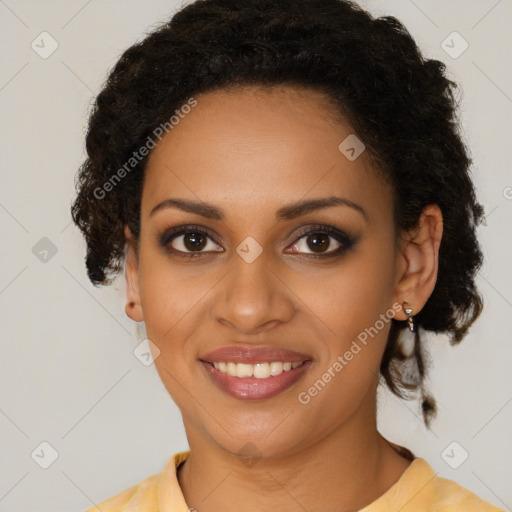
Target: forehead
{"type": "Point", "coordinates": [254, 147]}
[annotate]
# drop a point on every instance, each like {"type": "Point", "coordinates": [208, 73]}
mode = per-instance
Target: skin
{"type": "Point", "coordinates": [250, 152]}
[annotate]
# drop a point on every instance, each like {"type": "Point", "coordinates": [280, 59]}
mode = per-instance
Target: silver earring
{"type": "Point", "coordinates": [408, 311]}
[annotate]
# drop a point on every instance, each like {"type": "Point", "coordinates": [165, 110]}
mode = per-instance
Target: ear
{"type": "Point", "coordinates": [133, 304]}
{"type": "Point", "coordinates": [419, 261]}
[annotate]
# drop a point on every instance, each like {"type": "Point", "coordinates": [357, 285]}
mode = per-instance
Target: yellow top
{"type": "Point", "coordinates": [418, 489]}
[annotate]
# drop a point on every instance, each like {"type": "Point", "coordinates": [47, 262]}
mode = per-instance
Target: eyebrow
{"type": "Point", "coordinates": [287, 212]}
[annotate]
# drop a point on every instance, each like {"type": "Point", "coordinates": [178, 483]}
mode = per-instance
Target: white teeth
{"type": "Point", "coordinates": [231, 369]}
{"type": "Point", "coordinates": [261, 370]}
{"type": "Point", "coordinates": [258, 370]}
{"type": "Point", "coordinates": [244, 370]}
{"type": "Point", "coordinates": [276, 368]}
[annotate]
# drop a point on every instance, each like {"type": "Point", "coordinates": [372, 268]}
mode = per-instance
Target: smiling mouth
{"type": "Point", "coordinates": [262, 370]}
{"type": "Point", "coordinates": [257, 381]}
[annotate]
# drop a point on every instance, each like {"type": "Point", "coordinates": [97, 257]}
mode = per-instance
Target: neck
{"type": "Point", "coordinates": [347, 469]}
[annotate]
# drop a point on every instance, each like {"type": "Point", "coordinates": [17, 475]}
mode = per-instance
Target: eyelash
{"type": "Point", "coordinates": [341, 237]}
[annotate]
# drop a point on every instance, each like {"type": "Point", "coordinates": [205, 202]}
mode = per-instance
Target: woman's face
{"type": "Point", "coordinates": [250, 168]}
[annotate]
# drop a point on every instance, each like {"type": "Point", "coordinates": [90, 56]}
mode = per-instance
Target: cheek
{"type": "Point", "coordinates": [351, 296]}
{"type": "Point", "coordinates": [171, 303]}
{"type": "Point", "coordinates": [171, 299]}
{"type": "Point", "coordinates": [353, 312]}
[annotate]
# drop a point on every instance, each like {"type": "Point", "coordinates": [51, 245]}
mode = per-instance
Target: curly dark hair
{"type": "Point", "coordinates": [400, 104]}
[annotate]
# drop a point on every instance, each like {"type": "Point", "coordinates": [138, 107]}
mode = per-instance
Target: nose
{"type": "Point", "coordinates": [252, 298]}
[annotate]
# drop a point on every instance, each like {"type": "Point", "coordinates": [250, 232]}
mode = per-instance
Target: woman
{"type": "Point", "coordinates": [285, 187]}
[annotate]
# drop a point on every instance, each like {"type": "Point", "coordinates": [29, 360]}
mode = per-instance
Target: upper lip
{"type": "Point", "coordinates": [254, 354]}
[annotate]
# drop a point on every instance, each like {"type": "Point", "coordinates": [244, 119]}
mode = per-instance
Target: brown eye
{"type": "Point", "coordinates": [189, 241]}
{"type": "Point", "coordinates": [319, 242]}
{"type": "Point", "coordinates": [194, 241]}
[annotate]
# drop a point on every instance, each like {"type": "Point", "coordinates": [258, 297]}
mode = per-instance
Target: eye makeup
{"type": "Point", "coordinates": [197, 233]}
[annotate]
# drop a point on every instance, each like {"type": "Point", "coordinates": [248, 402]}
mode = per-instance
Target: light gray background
{"type": "Point", "coordinates": [68, 374]}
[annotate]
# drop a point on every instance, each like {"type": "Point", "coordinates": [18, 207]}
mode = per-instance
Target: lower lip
{"type": "Point", "coordinates": [252, 388]}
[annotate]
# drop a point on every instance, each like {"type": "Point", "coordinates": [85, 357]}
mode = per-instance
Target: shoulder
{"type": "Point", "coordinates": [142, 496]}
{"type": "Point", "coordinates": [462, 498]}
{"type": "Point", "coordinates": [420, 488]}
{"type": "Point", "coordinates": [157, 492]}
{"type": "Point", "coordinates": [449, 495]}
